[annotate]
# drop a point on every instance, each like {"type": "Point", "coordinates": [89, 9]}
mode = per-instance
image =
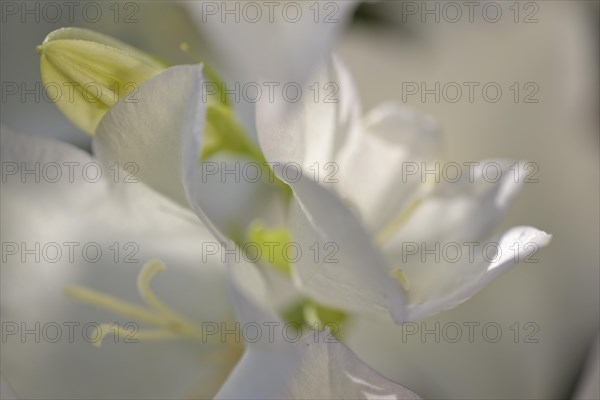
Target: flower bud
{"type": "Point", "coordinates": [92, 72]}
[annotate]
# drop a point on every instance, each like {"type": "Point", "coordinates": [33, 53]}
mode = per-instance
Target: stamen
{"type": "Point", "coordinates": [178, 322]}
{"type": "Point", "coordinates": [387, 232]}
{"type": "Point", "coordinates": [401, 278]}
{"type": "Point", "coordinates": [110, 303]}
{"type": "Point", "coordinates": [170, 323]}
{"type": "Point", "coordinates": [143, 286]}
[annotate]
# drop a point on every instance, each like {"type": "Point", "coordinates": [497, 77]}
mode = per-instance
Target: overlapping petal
{"type": "Point", "coordinates": [393, 140]}
{"type": "Point", "coordinates": [339, 266]}
{"type": "Point", "coordinates": [147, 131]}
{"type": "Point", "coordinates": [283, 366]}
{"type": "Point", "coordinates": [311, 127]}
{"type": "Point", "coordinates": [438, 286]}
{"type": "Point", "coordinates": [228, 193]}
{"type": "Point", "coordinates": [464, 210]}
{"type": "Point", "coordinates": [379, 201]}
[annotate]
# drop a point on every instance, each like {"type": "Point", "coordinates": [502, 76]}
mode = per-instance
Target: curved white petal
{"type": "Point", "coordinates": [286, 367]}
{"type": "Point", "coordinates": [146, 130]}
{"type": "Point", "coordinates": [280, 42]}
{"type": "Point", "coordinates": [453, 224]}
{"type": "Point", "coordinates": [339, 265]}
{"type": "Point", "coordinates": [317, 368]}
{"type": "Point", "coordinates": [315, 129]}
{"type": "Point", "coordinates": [463, 211]}
{"type": "Point", "coordinates": [375, 165]}
{"type": "Point", "coordinates": [443, 285]}
{"type": "Point", "coordinates": [101, 214]}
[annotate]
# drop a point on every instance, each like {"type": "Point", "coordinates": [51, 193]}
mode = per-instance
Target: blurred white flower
{"type": "Point", "coordinates": [130, 224]}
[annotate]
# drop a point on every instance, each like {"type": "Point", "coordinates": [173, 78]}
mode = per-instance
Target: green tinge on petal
{"type": "Point", "coordinates": [309, 314]}
{"type": "Point", "coordinates": [223, 133]}
{"type": "Point", "coordinates": [90, 72]}
{"type": "Point", "coordinates": [272, 243]}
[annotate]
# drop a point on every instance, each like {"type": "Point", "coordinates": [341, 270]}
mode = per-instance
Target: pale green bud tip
{"type": "Point", "coordinates": [86, 73]}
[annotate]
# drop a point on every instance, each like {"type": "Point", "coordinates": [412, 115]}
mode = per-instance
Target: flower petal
{"type": "Point", "coordinates": [374, 164]}
{"type": "Point", "coordinates": [279, 42]}
{"type": "Point", "coordinates": [314, 129]}
{"type": "Point", "coordinates": [445, 284]}
{"type": "Point", "coordinates": [463, 211]}
{"type": "Point", "coordinates": [318, 368]}
{"type": "Point", "coordinates": [339, 266]}
{"type": "Point", "coordinates": [459, 217]}
{"type": "Point", "coordinates": [146, 132]}
{"type": "Point", "coordinates": [286, 367]}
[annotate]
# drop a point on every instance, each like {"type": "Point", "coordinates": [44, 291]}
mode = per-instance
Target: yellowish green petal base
{"type": "Point", "coordinates": [90, 72]}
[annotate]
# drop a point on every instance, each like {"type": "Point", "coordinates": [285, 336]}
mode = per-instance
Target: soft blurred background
{"type": "Point", "coordinates": [384, 47]}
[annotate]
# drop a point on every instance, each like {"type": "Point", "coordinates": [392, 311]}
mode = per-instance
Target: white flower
{"type": "Point", "coordinates": [386, 208]}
